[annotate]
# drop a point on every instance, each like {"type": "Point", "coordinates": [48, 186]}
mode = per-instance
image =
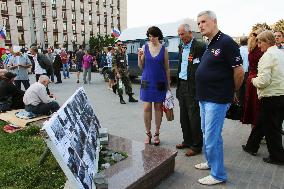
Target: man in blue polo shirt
{"type": "Point", "coordinates": [218, 76]}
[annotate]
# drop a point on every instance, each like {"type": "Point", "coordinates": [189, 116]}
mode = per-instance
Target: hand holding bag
{"type": "Point", "coordinates": [168, 106]}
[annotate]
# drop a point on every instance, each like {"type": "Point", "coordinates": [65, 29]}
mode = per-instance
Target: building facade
{"type": "Point", "coordinates": [60, 23]}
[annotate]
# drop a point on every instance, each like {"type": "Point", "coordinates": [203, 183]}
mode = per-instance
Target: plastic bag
{"type": "Point", "coordinates": [168, 106]}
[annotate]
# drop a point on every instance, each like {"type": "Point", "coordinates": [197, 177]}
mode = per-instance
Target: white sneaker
{"type": "Point", "coordinates": [209, 180]}
{"type": "Point", "coordinates": [202, 166]}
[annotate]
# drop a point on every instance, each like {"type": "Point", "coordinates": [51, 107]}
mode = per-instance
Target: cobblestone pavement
{"type": "Point", "coordinates": [244, 170]}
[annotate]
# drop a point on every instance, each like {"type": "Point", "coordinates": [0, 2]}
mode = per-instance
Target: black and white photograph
{"type": "Point", "coordinates": [74, 132]}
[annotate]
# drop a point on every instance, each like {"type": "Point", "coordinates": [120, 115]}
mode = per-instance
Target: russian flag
{"type": "Point", "coordinates": [3, 33]}
{"type": "Point", "coordinates": [115, 32]}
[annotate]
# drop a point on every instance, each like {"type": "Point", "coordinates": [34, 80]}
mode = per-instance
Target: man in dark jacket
{"type": "Point", "coordinates": [42, 63]}
{"type": "Point", "coordinates": [10, 96]}
{"type": "Point", "coordinates": [191, 52]}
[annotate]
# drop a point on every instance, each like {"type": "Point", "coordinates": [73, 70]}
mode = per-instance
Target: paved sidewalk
{"type": "Point", "coordinates": [244, 170]}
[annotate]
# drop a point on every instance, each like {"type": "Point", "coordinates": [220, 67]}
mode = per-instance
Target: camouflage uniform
{"type": "Point", "coordinates": [120, 63]}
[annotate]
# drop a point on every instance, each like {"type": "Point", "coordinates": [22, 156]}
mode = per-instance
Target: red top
{"type": "Point", "coordinates": [251, 102]}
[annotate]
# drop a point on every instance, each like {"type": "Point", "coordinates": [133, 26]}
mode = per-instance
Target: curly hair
{"type": "Point", "coordinates": [155, 32]}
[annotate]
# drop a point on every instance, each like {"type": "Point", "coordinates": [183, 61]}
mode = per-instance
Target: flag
{"type": "Point", "coordinates": [3, 33]}
{"type": "Point", "coordinates": [115, 32]}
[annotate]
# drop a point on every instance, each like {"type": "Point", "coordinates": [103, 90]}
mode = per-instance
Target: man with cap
{"type": "Point", "coordinates": [11, 97]}
{"type": "Point", "coordinates": [19, 64]}
{"type": "Point", "coordinates": [119, 63]}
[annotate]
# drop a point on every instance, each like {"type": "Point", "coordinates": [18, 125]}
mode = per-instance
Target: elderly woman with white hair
{"type": "Point", "coordinates": [270, 90]}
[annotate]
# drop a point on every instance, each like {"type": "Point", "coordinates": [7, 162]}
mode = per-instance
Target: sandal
{"type": "Point", "coordinates": [156, 139]}
{"type": "Point", "coordinates": [149, 137]}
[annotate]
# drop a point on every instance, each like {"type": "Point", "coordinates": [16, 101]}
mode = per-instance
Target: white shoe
{"type": "Point", "coordinates": [209, 180]}
{"type": "Point", "coordinates": [109, 88]}
{"type": "Point", "coordinates": [202, 166]}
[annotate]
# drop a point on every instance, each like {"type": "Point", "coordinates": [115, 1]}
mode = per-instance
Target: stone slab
{"type": "Point", "coordinates": [145, 166]}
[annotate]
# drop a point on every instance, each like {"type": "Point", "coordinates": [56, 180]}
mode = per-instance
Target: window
{"type": "Point", "coordinates": [18, 9]}
{"type": "Point", "coordinates": [54, 13]}
{"type": "Point", "coordinates": [65, 38]}
{"type": "Point", "coordinates": [44, 24]}
{"type": "Point", "coordinates": [53, 2]}
{"type": "Point", "coordinates": [8, 35]}
{"type": "Point", "coordinates": [73, 16]}
{"type": "Point", "coordinates": [21, 36]}
{"type": "Point", "coordinates": [5, 21]}
{"type": "Point", "coordinates": [45, 37]}
{"type": "Point", "coordinates": [74, 37]}
{"type": "Point", "coordinates": [55, 36]}
{"type": "Point", "coordinates": [19, 22]}
{"type": "Point", "coordinates": [81, 5]}
{"type": "Point", "coordinates": [90, 17]}
{"type": "Point", "coordinates": [82, 17]}
{"type": "Point", "coordinates": [82, 28]}
{"type": "Point", "coordinates": [74, 28]}
{"type": "Point", "coordinates": [64, 16]}
{"type": "Point", "coordinates": [4, 6]}
{"type": "Point", "coordinates": [64, 25]}
{"type": "Point", "coordinates": [43, 11]}
{"type": "Point", "coordinates": [55, 25]}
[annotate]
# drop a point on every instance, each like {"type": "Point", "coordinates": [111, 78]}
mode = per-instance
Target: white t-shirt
{"type": "Point", "coordinates": [38, 68]}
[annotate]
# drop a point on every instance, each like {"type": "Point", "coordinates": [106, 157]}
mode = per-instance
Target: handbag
{"type": "Point", "coordinates": [234, 112]}
{"type": "Point", "coordinates": [168, 106]}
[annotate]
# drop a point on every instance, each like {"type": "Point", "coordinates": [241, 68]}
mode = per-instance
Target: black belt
{"type": "Point", "coordinates": [183, 80]}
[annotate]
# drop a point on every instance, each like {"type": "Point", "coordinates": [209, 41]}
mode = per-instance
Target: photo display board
{"type": "Point", "coordinates": [73, 139]}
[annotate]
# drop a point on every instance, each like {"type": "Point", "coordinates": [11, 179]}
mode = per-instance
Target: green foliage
{"type": "Point", "coordinates": [261, 25]}
{"type": "Point", "coordinates": [20, 169]}
{"type": "Point", "coordinates": [279, 26]}
{"type": "Point", "coordinates": [97, 43]}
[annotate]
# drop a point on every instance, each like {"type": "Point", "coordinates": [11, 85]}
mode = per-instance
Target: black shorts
{"type": "Point", "coordinates": [79, 67]}
{"type": "Point", "coordinates": [111, 75]}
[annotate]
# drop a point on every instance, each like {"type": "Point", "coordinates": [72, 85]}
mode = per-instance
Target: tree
{"type": "Point", "coordinates": [97, 43]}
{"type": "Point", "coordinates": [261, 25]}
{"type": "Point", "coordinates": [279, 26]}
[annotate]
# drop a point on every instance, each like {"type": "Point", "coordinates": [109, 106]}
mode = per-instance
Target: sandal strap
{"type": "Point", "coordinates": [156, 134]}
{"type": "Point", "coordinates": [149, 134]}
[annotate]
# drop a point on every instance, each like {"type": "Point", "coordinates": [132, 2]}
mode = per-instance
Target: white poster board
{"type": "Point", "coordinates": [73, 139]}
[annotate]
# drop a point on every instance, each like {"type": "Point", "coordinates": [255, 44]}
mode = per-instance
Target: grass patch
{"type": "Point", "coordinates": [19, 162]}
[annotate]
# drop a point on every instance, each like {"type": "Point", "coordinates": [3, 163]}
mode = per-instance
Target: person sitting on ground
{"type": "Point", "coordinates": [37, 100]}
{"type": "Point", "coordinates": [10, 96]}
{"type": "Point", "coordinates": [2, 72]}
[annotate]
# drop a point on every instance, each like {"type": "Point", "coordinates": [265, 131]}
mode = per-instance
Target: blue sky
{"type": "Point", "coordinates": [234, 17]}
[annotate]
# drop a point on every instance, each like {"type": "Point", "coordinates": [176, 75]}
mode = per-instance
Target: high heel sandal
{"type": "Point", "coordinates": [156, 141]}
{"type": "Point", "coordinates": [149, 137]}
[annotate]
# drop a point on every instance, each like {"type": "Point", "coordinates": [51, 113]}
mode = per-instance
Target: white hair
{"type": "Point", "coordinates": [209, 13]}
{"type": "Point", "coordinates": [186, 27]}
{"type": "Point", "coordinates": [43, 78]}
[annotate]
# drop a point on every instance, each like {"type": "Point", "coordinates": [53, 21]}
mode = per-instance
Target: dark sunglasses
{"type": "Point", "coordinates": [254, 34]}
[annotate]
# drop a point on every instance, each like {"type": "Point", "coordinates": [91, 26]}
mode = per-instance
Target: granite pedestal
{"type": "Point", "coordinates": [144, 168]}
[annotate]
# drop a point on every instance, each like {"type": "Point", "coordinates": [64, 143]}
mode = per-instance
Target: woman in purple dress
{"type": "Point", "coordinates": [153, 60]}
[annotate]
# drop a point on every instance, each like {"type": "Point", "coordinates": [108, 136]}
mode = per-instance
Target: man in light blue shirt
{"type": "Point", "coordinates": [190, 56]}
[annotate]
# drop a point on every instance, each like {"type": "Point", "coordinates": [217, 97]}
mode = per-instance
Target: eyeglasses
{"type": "Point", "coordinates": [119, 44]}
{"type": "Point", "coordinates": [124, 47]}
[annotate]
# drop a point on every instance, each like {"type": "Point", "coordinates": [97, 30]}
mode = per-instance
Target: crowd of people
{"type": "Point", "coordinates": [211, 76]}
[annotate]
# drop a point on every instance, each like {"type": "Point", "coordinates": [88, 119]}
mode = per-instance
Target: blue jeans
{"type": "Point", "coordinates": [212, 121]}
{"type": "Point", "coordinates": [65, 70]}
